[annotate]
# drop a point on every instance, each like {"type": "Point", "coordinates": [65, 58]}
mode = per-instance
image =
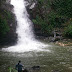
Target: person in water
{"type": "Point", "coordinates": [19, 66]}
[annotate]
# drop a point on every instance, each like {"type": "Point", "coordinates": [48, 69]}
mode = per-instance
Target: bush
{"type": "Point", "coordinates": [68, 30]}
{"type": "Point", "coordinates": [5, 18]}
{"type": "Point", "coordinates": [3, 26]}
{"type": "Point", "coordinates": [63, 7]}
{"type": "Point", "coordinates": [53, 14]}
{"type": "Point", "coordinates": [45, 27]}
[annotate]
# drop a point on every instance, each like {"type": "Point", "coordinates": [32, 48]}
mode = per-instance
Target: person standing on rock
{"type": "Point", "coordinates": [19, 66]}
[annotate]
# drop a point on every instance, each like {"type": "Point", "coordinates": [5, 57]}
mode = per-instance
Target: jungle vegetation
{"type": "Point", "coordinates": [48, 14]}
{"type": "Point", "coordinates": [53, 14]}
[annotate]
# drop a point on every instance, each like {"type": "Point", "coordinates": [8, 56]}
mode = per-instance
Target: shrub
{"type": "Point", "coordinates": [3, 26]}
{"type": "Point", "coordinates": [68, 30]}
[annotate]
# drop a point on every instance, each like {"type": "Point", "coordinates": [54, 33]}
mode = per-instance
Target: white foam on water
{"type": "Point", "coordinates": [26, 40]}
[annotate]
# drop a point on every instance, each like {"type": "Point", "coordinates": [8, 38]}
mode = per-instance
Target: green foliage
{"type": "Point", "coordinates": [45, 28]}
{"type": "Point", "coordinates": [41, 1]}
{"type": "Point", "coordinates": [7, 14]}
{"type": "Point", "coordinates": [55, 20]}
{"type": "Point", "coordinates": [5, 18]}
{"type": "Point", "coordinates": [63, 7]}
{"type": "Point", "coordinates": [52, 14]}
{"type": "Point", "coordinates": [3, 26]}
{"type": "Point", "coordinates": [68, 30]}
{"type": "Point", "coordinates": [38, 20]}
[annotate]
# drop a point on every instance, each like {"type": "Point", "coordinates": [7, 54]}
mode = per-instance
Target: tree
{"type": "Point", "coordinates": [62, 7]}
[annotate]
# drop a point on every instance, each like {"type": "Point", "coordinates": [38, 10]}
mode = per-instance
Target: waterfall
{"type": "Point", "coordinates": [26, 40]}
{"type": "Point", "coordinates": [24, 29]}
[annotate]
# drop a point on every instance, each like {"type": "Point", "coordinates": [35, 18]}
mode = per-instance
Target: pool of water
{"type": "Point", "coordinates": [53, 59]}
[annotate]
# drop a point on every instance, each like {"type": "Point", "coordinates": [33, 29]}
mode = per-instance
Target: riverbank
{"type": "Point", "coordinates": [60, 42]}
{"type": "Point", "coordinates": [64, 42]}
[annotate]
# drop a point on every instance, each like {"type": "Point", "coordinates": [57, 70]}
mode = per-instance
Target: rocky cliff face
{"type": "Point", "coordinates": [10, 37]}
{"type": "Point", "coordinates": [41, 15]}
{"type": "Point", "coordinates": [34, 10]}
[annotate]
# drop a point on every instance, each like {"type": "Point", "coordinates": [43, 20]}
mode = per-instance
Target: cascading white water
{"type": "Point", "coordinates": [24, 29]}
{"type": "Point", "coordinates": [26, 40]}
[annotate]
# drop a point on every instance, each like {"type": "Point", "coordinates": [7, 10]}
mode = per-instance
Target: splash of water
{"type": "Point", "coordinates": [26, 40]}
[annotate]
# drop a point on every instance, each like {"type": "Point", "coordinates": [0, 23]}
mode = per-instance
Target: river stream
{"type": "Point", "coordinates": [53, 59]}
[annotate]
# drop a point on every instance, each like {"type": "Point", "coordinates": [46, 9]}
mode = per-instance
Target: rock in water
{"type": "Point", "coordinates": [25, 70]}
{"type": "Point", "coordinates": [35, 67]}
